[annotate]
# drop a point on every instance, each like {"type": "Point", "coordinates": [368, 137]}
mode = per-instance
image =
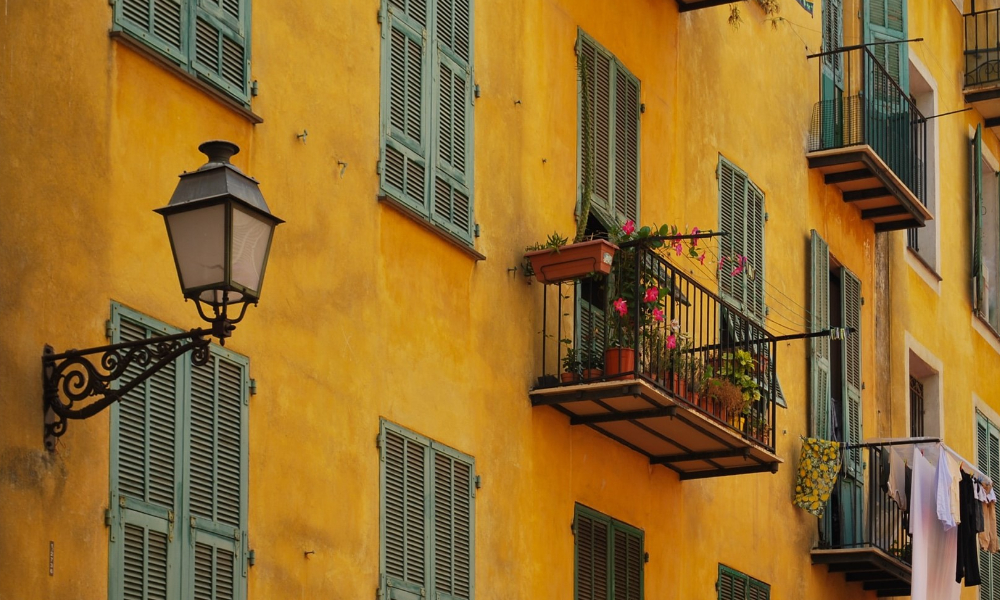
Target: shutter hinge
{"type": "Point", "coordinates": [121, 501]}
{"type": "Point", "coordinates": [254, 88]}
{"type": "Point", "coordinates": [378, 167]}
{"type": "Point", "coordinates": [107, 517]}
{"type": "Point", "coordinates": [862, 385]}
{"type": "Point", "coordinates": [252, 557]}
{"type": "Point", "coordinates": [477, 230]}
{"type": "Point", "coordinates": [109, 329]}
{"type": "Point", "coordinates": [378, 444]}
{"type": "Point", "coordinates": [479, 481]}
{"type": "Point", "coordinates": [476, 91]}
{"type": "Point", "coordinates": [645, 557]}
{"type": "Point", "coordinates": [642, 108]}
{"type": "Point", "coordinates": [253, 387]}
{"type": "Point", "coordinates": [380, 16]}
{"type": "Point", "coordinates": [767, 217]}
{"type": "Point", "coordinates": [862, 300]}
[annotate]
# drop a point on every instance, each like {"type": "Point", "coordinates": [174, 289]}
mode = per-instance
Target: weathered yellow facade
{"type": "Point", "coordinates": [367, 314]}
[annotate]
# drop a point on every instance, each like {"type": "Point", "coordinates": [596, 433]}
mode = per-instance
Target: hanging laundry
{"type": "Point", "coordinates": [967, 560]}
{"type": "Point", "coordinates": [944, 480]}
{"type": "Point", "coordinates": [819, 466]}
{"type": "Point", "coordinates": [932, 571]}
{"type": "Point", "coordinates": [897, 488]}
{"type": "Point", "coordinates": [988, 537]}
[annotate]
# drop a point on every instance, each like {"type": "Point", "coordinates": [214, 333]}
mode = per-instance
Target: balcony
{"type": "Point", "coordinates": [864, 533]}
{"type": "Point", "coordinates": [870, 141]}
{"type": "Point", "coordinates": [982, 64]}
{"type": "Point", "coordinates": [694, 392]}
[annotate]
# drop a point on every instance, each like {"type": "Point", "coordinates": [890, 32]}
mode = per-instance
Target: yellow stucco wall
{"type": "Point", "coordinates": [366, 314]}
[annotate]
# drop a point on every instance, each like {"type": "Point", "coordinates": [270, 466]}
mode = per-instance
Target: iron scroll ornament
{"type": "Point", "coordinates": [72, 378]}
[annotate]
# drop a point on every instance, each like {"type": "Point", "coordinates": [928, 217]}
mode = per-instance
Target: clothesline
{"type": "Point", "coordinates": [973, 470]}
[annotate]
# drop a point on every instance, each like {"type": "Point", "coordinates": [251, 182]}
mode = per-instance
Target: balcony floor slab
{"type": "Point", "coordinates": [874, 568]}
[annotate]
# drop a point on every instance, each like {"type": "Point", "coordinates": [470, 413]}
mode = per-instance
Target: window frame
{"type": "Point", "coordinates": [607, 215]}
{"type": "Point", "coordinates": [430, 449]}
{"type": "Point", "coordinates": [183, 59]}
{"type": "Point", "coordinates": [181, 529]}
{"type": "Point", "coordinates": [613, 526]}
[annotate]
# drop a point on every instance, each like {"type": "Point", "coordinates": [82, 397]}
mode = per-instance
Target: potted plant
{"type": "Point", "coordinates": [572, 368]}
{"type": "Point", "coordinates": [557, 260]}
{"type": "Point", "coordinates": [739, 367]}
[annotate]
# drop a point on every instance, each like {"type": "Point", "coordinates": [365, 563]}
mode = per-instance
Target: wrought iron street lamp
{"type": "Point", "coordinates": [220, 232]}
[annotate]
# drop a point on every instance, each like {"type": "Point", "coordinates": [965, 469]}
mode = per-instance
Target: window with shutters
{"type": "Point", "coordinates": [733, 585]}
{"type": "Point", "coordinates": [426, 162]}
{"type": "Point", "coordinates": [986, 227]}
{"type": "Point", "coordinates": [741, 218]}
{"type": "Point", "coordinates": [988, 459]}
{"type": "Point", "coordinates": [427, 518]}
{"type": "Point", "coordinates": [609, 109]}
{"type": "Point", "coordinates": [179, 476]}
{"type": "Point", "coordinates": [609, 557]}
{"type": "Point", "coordinates": [210, 39]}
{"type": "Point", "coordinates": [885, 21]}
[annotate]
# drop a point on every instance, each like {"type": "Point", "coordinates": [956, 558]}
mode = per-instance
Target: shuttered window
{"type": "Point", "coordinates": [609, 123]}
{"type": "Point", "coordinates": [426, 162]}
{"type": "Point", "coordinates": [427, 518]}
{"type": "Point", "coordinates": [609, 557]}
{"type": "Point", "coordinates": [988, 459]}
{"type": "Point", "coordinates": [985, 208]}
{"type": "Point", "coordinates": [178, 476]}
{"type": "Point", "coordinates": [741, 218]}
{"type": "Point", "coordinates": [733, 585]}
{"type": "Point", "coordinates": [208, 38]}
{"type": "Point", "coordinates": [833, 36]}
{"type": "Point", "coordinates": [886, 21]}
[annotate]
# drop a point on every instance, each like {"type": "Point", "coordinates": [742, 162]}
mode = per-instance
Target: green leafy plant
{"type": "Point", "coordinates": [771, 9]}
{"type": "Point", "coordinates": [739, 368]}
{"type": "Point", "coordinates": [571, 360]}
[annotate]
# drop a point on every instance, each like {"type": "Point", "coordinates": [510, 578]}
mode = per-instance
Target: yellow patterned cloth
{"type": "Point", "coordinates": [819, 465]}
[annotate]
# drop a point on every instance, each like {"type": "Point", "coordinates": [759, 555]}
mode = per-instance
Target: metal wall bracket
{"type": "Point", "coordinates": [75, 386]}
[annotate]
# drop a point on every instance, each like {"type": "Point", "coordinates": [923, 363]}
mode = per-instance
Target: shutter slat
{"type": "Point", "coordinates": [754, 273]}
{"type": "Point", "coordinates": [395, 502]}
{"type": "Point", "coordinates": [462, 494]}
{"type": "Point", "coordinates": [820, 346]}
{"type": "Point", "coordinates": [602, 128]}
{"type": "Point", "coordinates": [626, 154]}
{"type": "Point", "coordinates": [728, 224]}
{"type": "Point", "coordinates": [444, 534]}
{"type": "Point", "coordinates": [851, 287]}
{"type": "Point", "coordinates": [414, 513]}
{"type": "Point", "coordinates": [584, 558]}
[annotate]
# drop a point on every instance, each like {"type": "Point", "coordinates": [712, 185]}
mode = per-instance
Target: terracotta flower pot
{"type": "Point", "coordinates": [619, 360]}
{"type": "Point", "coordinates": [568, 377]}
{"type": "Point", "coordinates": [572, 261]}
{"type": "Point", "coordinates": [590, 374]}
{"type": "Point", "coordinates": [680, 386]}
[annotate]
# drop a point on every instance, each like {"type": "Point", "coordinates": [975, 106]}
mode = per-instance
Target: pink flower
{"type": "Point", "coordinates": [701, 258]}
{"type": "Point", "coordinates": [620, 306]}
{"type": "Point", "coordinates": [652, 294]}
{"type": "Point", "coordinates": [628, 227]}
{"type": "Point", "coordinates": [657, 315]}
{"type": "Point", "coordinates": [694, 242]}
{"type": "Point", "coordinates": [722, 262]}
{"type": "Point", "coordinates": [741, 261]}
{"type": "Point", "coordinates": [678, 248]}
{"type": "Point", "coordinates": [671, 342]}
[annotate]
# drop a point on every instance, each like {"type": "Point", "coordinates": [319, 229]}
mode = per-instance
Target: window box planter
{"type": "Point", "coordinates": [572, 261]}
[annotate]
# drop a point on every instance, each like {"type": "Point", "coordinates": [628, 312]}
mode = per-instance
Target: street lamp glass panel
{"type": "Point", "coordinates": [199, 244]}
{"type": "Point", "coordinates": [251, 235]}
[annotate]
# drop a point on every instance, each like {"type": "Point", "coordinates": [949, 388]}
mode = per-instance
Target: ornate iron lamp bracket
{"type": "Point", "coordinates": [74, 387]}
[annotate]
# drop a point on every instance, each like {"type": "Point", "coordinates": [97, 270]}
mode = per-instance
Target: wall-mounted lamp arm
{"type": "Point", "coordinates": [76, 377]}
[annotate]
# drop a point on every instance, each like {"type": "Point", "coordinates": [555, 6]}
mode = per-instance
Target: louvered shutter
{"type": "Point", "coordinates": [753, 275]}
{"type": "Point", "coordinates": [220, 42]}
{"type": "Point", "coordinates": [452, 197]}
{"type": "Point", "coordinates": [819, 305]}
{"type": "Point", "coordinates": [731, 225]}
{"type": "Point", "coordinates": [980, 302]}
{"type": "Point", "coordinates": [146, 468]}
{"type": "Point", "coordinates": [592, 557]}
{"type": "Point", "coordinates": [851, 290]}
{"type": "Point", "coordinates": [597, 86]}
{"type": "Point", "coordinates": [160, 23]}
{"type": "Point", "coordinates": [627, 563]}
{"type": "Point", "coordinates": [758, 590]}
{"type": "Point", "coordinates": [833, 35]}
{"type": "Point", "coordinates": [886, 21]}
{"type": "Point", "coordinates": [732, 584]}
{"type": "Point", "coordinates": [405, 93]}
{"type": "Point", "coordinates": [590, 330]}
{"type": "Point", "coordinates": [404, 523]}
{"type": "Point", "coordinates": [453, 527]}
{"type": "Point", "coordinates": [626, 147]}
{"type": "Point", "coordinates": [983, 462]}
{"type": "Point", "coordinates": [217, 476]}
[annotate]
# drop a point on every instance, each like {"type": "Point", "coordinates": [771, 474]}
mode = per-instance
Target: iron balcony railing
{"type": "Point", "coordinates": [703, 351]}
{"type": "Point", "coordinates": [982, 47]}
{"type": "Point", "coordinates": [860, 513]}
{"type": "Point", "coordinates": [871, 108]}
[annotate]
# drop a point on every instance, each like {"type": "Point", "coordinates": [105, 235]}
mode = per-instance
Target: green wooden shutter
{"type": "Point", "coordinates": [980, 302]}
{"type": "Point", "coordinates": [732, 584]}
{"type": "Point", "coordinates": [404, 524]}
{"type": "Point", "coordinates": [592, 556]}
{"type": "Point", "coordinates": [626, 157]}
{"type": "Point", "coordinates": [851, 290]}
{"type": "Point", "coordinates": [452, 197]}
{"type": "Point", "coordinates": [833, 35]}
{"type": "Point", "coordinates": [453, 526]}
{"type": "Point", "coordinates": [599, 84]}
{"type": "Point", "coordinates": [819, 306]}
{"type": "Point", "coordinates": [220, 42]}
{"type": "Point", "coordinates": [758, 590]}
{"type": "Point", "coordinates": [217, 476]}
{"type": "Point", "coordinates": [146, 455]}
{"type": "Point", "coordinates": [589, 328]}
{"type": "Point", "coordinates": [160, 23]}
{"type": "Point", "coordinates": [988, 459]}
{"type": "Point", "coordinates": [405, 89]}
{"type": "Point", "coordinates": [731, 224]}
{"type": "Point", "coordinates": [627, 562]}
{"type": "Point", "coordinates": [753, 275]}
{"type": "Point", "coordinates": [886, 21]}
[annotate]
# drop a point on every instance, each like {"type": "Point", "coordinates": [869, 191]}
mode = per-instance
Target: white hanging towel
{"type": "Point", "coordinates": [934, 549]}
